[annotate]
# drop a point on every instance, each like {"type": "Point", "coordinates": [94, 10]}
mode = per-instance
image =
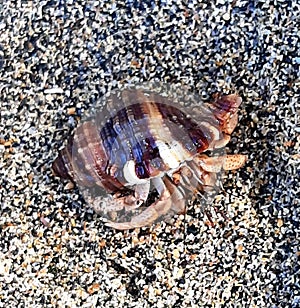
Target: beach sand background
{"type": "Point", "coordinates": [57, 58]}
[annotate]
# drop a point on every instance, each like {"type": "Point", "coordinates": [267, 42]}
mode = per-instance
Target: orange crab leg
{"type": "Point", "coordinates": [216, 164]}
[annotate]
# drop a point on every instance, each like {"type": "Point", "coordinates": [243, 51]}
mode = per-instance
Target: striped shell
{"type": "Point", "coordinates": [138, 142]}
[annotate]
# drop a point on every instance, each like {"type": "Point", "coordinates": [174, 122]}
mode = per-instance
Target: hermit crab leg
{"type": "Point", "coordinates": [102, 204]}
{"type": "Point", "coordinates": [149, 215]}
{"type": "Point", "coordinates": [230, 125]}
{"type": "Point", "coordinates": [129, 202]}
{"type": "Point", "coordinates": [159, 185]}
{"type": "Point", "coordinates": [178, 198]}
{"type": "Point", "coordinates": [142, 191]}
{"type": "Point", "coordinates": [189, 179]}
{"type": "Point", "coordinates": [216, 164]}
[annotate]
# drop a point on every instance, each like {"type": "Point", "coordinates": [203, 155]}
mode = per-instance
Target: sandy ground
{"type": "Point", "coordinates": [57, 58]}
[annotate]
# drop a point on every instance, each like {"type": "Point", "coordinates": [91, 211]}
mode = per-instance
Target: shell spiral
{"type": "Point", "coordinates": [136, 137]}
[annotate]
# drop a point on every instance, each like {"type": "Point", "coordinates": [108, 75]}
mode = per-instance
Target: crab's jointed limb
{"type": "Point", "coordinates": [148, 216]}
{"type": "Point", "coordinates": [217, 163]}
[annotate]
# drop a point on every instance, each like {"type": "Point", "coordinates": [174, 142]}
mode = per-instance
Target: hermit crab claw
{"type": "Point", "coordinates": [170, 202]}
{"type": "Point", "coordinates": [148, 216]}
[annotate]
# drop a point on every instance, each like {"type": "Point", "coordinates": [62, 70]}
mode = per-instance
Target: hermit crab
{"type": "Point", "coordinates": [143, 155]}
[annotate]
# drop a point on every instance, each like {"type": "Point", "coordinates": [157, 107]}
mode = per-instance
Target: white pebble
{"type": "Point", "coordinates": [226, 16]}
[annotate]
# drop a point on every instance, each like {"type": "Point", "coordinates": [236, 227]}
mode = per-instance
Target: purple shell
{"type": "Point", "coordinates": [101, 147]}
